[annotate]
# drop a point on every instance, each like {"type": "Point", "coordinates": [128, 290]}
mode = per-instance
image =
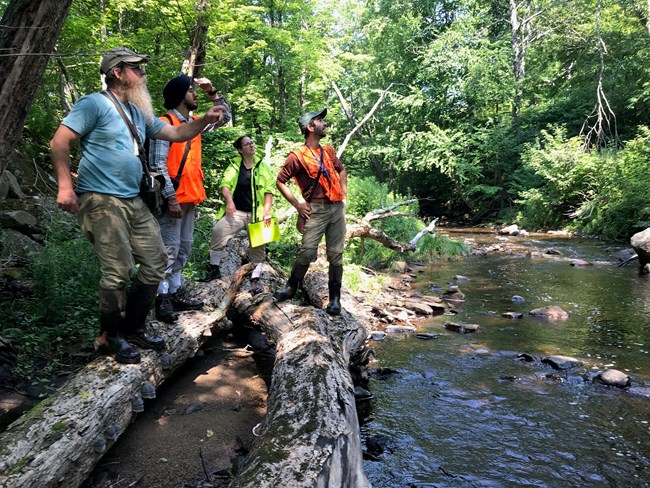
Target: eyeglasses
{"type": "Point", "coordinates": [249, 144]}
{"type": "Point", "coordinates": [134, 67]}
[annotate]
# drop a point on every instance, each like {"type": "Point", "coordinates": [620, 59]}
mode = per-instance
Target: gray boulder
{"type": "Point", "coordinates": [561, 363]}
{"type": "Point", "coordinates": [551, 312]}
{"type": "Point", "coordinates": [613, 377]}
{"type": "Point", "coordinates": [640, 242]}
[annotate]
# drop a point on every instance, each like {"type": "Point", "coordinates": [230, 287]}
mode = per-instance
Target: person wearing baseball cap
{"type": "Point", "coordinates": [118, 55]}
{"type": "Point", "coordinates": [322, 180]}
{"type": "Point", "coordinates": [106, 197]}
{"type": "Point", "coordinates": [180, 164]}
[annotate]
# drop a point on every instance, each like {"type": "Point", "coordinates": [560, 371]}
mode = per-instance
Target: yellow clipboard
{"type": "Point", "coordinates": [260, 234]}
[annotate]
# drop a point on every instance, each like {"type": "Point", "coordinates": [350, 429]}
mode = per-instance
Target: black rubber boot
{"type": "Point", "coordinates": [297, 274]}
{"type": "Point", "coordinates": [138, 304]}
{"type": "Point", "coordinates": [214, 273]}
{"type": "Point", "coordinates": [164, 310]}
{"type": "Point", "coordinates": [111, 320]}
{"type": "Point", "coordinates": [181, 301]}
{"type": "Point", "coordinates": [334, 284]}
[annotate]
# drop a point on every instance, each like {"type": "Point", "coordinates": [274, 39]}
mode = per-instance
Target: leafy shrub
{"type": "Point", "coordinates": [62, 316]}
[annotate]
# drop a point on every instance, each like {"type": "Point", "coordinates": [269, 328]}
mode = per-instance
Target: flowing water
{"type": "Point", "coordinates": [464, 411]}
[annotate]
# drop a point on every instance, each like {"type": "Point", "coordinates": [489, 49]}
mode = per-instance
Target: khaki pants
{"type": "Point", "coordinates": [123, 231]}
{"type": "Point", "coordinates": [226, 229]}
{"type": "Point", "coordinates": [328, 220]}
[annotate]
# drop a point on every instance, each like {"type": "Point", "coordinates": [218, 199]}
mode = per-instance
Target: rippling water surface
{"type": "Point", "coordinates": [462, 410]}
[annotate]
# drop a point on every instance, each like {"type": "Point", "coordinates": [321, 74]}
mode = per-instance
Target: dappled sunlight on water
{"type": "Point", "coordinates": [464, 411]}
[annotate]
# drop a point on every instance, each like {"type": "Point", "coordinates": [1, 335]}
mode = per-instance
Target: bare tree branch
{"type": "Point", "coordinates": [363, 121]}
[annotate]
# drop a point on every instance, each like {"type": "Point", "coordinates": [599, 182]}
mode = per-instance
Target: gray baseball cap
{"type": "Point", "coordinates": [304, 119]}
{"type": "Point", "coordinates": [119, 55]}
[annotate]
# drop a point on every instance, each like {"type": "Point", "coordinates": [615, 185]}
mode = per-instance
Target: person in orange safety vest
{"type": "Point", "coordinates": [322, 180]}
{"type": "Point", "coordinates": [180, 163]}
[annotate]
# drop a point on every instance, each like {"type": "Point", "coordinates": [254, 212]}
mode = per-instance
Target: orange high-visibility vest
{"type": "Point", "coordinates": [308, 157]}
{"type": "Point", "coordinates": [191, 187]}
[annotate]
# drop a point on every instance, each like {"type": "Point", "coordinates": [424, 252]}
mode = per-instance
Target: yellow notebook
{"type": "Point", "coordinates": [260, 234]}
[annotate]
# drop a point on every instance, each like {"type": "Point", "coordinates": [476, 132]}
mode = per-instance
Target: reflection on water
{"type": "Point", "coordinates": [464, 411]}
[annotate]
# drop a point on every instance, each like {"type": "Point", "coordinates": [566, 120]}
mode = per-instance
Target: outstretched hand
{"type": "Point", "coordinates": [215, 114]}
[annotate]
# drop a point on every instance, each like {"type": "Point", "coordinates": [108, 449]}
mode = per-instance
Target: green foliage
{"type": "Point", "coordinates": [598, 193]}
{"type": "Point", "coordinates": [61, 318]}
{"type": "Point", "coordinates": [367, 195]}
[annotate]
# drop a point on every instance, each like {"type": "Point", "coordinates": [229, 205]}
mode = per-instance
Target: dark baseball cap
{"type": "Point", "coordinates": [304, 119]}
{"type": "Point", "coordinates": [119, 55]}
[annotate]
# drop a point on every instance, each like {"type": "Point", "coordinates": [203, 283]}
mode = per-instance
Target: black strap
{"type": "Point", "coordinates": [145, 166]}
{"type": "Point", "coordinates": [313, 183]}
{"type": "Point", "coordinates": [185, 153]}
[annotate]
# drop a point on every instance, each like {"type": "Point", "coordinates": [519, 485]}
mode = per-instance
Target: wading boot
{"type": "Point", "coordinates": [111, 320]}
{"type": "Point", "coordinates": [297, 274]}
{"type": "Point", "coordinates": [181, 301]}
{"type": "Point", "coordinates": [214, 273]}
{"type": "Point", "coordinates": [334, 285]}
{"type": "Point", "coordinates": [164, 310]}
{"type": "Point", "coordinates": [138, 304]}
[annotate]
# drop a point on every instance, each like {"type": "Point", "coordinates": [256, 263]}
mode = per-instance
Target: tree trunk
{"type": "Point", "coordinates": [60, 440]}
{"type": "Point", "coordinates": [195, 60]}
{"type": "Point", "coordinates": [310, 436]}
{"type": "Point", "coordinates": [29, 32]}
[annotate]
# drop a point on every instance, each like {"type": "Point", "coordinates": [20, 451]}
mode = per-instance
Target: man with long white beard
{"type": "Point", "coordinates": [106, 197]}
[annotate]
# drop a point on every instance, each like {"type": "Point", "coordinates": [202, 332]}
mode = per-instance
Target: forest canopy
{"type": "Point", "coordinates": [531, 112]}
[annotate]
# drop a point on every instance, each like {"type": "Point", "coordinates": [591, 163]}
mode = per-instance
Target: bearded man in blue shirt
{"type": "Point", "coordinates": [106, 197]}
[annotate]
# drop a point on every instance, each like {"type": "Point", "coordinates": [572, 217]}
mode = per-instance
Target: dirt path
{"type": "Point", "coordinates": [203, 414]}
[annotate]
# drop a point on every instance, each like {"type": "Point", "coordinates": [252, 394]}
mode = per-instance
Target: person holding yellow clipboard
{"type": "Point", "coordinates": [247, 187]}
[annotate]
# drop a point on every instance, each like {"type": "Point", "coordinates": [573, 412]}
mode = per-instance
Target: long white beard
{"type": "Point", "coordinates": [139, 96]}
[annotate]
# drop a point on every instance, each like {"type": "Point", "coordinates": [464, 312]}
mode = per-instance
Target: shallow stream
{"type": "Point", "coordinates": [464, 411]}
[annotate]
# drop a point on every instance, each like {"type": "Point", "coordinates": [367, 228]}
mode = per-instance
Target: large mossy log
{"type": "Point", "coordinates": [310, 436]}
{"type": "Point", "coordinates": [58, 443]}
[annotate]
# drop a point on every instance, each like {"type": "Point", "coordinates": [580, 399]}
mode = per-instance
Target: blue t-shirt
{"type": "Point", "coordinates": [109, 162]}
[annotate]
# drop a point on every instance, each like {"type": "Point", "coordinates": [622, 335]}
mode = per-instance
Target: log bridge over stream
{"type": "Point", "coordinates": [310, 435]}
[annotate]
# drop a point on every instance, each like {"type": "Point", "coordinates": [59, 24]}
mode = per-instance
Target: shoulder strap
{"type": "Point", "coordinates": [185, 153]}
{"type": "Point", "coordinates": [313, 182]}
{"type": "Point", "coordinates": [109, 94]}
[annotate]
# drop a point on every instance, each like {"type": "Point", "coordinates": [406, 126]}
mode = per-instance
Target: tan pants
{"type": "Point", "coordinates": [327, 220]}
{"type": "Point", "coordinates": [226, 229]}
{"type": "Point", "coordinates": [123, 231]}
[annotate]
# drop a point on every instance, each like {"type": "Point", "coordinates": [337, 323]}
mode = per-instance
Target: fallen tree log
{"type": "Point", "coordinates": [59, 441]}
{"type": "Point", "coordinates": [310, 436]}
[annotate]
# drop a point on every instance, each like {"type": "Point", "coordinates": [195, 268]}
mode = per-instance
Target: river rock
{"type": "Point", "coordinates": [518, 299]}
{"type": "Point", "coordinates": [461, 278]}
{"type": "Point", "coordinates": [400, 267]}
{"type": "Point", "coordinates": [418, 307]}
{"type": "Point", "coordinates": [551, 312]}
{"type": "Point", "coordinates": [461, 328]}
{"type": "Point", "coordinates": [427, 337]}
{"type": "Point", "coordinates": [613, 377]}
{"type": "Point", "coordinates": [561, 363]}
{"type": "Point", "coordinates": [453, 294]}
{"type": "Point", "coordinates": [510, 230]}
{"type": "Point", "coordinates": [512, 315]}
{"type": "Point", "coordinates": [400, 329]}
{"type": "Point", "coordinates": [580, 262]}
{"type": "Point", "coordinates": [377, 335]}
{"type": "Point", "coordinates": [552, 251]}
{"type": "Point", "coordinates": [526, 358]}
{"type": "Point", "coordinates": [641, 244]}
